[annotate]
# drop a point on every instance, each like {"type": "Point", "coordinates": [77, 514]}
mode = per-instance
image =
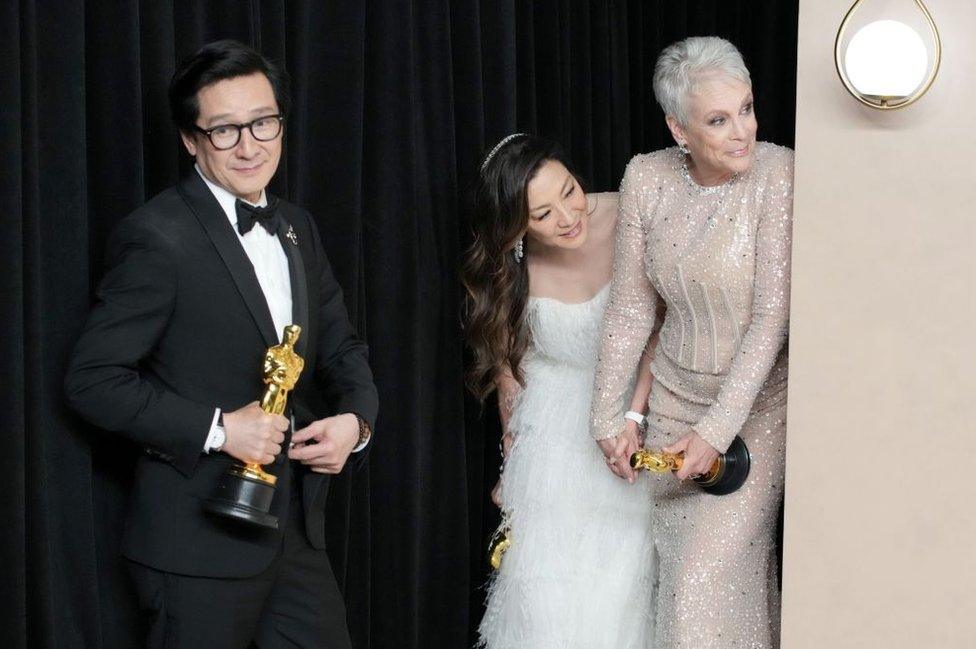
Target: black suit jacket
{"type": "Point", "coordinates": [180, 327]}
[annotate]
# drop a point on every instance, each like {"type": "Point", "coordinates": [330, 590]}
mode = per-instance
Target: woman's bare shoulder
{"type": "Point", "coordinates": [603, 206]}
{"type": "Point", "coordinates": [603, 218]}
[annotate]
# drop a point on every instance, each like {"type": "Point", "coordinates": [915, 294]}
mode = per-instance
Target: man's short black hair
{"type": "Point", "coordinates": [226, 59]}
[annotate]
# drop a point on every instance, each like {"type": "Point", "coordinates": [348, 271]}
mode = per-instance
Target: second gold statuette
{"type": "Point", "coordinates": [727, 473]}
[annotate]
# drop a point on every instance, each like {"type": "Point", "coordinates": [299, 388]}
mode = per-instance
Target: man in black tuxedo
{"type": "Point", "coordinates": [201, 280]}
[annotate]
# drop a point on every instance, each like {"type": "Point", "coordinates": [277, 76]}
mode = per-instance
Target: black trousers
{"type": "Point", "coordinates": [294, 603]}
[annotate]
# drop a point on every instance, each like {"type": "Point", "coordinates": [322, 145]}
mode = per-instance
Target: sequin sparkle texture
{"type": "Point", "coordinates": [719, 258]}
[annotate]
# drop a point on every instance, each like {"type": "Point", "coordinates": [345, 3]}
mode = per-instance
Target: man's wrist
{"type": "Point", "coordinates": [365, 433]}
{"type": "Point", "coordinates": [217, 436]}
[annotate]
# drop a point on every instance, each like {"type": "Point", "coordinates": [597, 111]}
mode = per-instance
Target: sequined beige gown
{"type": "Point", "coordinates": [720, 259]}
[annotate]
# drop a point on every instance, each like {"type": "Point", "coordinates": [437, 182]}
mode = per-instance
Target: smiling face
{"type": "Point", "coordinates": [557, 208]}
{"type": "Point", "coordinates": [721, 129]}
{"type": "Point", "coordinates": [247, 168]}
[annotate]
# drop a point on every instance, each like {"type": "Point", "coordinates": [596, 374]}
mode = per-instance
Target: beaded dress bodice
{"type": "Point", "coordinates": [719, 258]}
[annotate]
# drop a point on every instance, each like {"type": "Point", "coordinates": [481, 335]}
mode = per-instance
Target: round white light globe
{"type": "Point", "coordinates": [886, 58]}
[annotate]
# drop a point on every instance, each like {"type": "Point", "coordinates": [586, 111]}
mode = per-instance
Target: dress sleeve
{"type": "Point", "coordinates": [629, 316]}
{"type": "Point", "coordinates": [767, 330]}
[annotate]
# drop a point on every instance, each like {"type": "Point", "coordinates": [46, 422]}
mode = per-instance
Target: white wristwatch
{"type": "Point", "coordinates": [220, 433]}
{"type": "Point", "coordinates": [217, 437]}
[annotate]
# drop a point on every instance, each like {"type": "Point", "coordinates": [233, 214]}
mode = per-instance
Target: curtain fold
{"type": "Point", "coordinates": [394, 105]}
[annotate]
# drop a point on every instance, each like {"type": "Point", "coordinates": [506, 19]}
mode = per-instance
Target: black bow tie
{"type": "Point", "coordinates": [248, 215]}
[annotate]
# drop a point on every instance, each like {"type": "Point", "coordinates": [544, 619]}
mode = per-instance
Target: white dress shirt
{"type": "Point", "coordinates": [271, 268]}
{"type": "Point", "coordinates": [264, 251]}
{"type": "Point", "coordinates": [266, 255]}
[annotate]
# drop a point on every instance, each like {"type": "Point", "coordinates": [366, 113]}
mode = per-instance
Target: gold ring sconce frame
{"type": "Point", "coordinates": [887, 103]}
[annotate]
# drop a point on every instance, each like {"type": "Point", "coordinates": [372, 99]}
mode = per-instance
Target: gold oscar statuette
{"type": "Point", "coordinates": [727, 473]}
{"type": "Point", "coordinates": [244, 492]}
{"type": "Point", "coordinates": [500, 542]}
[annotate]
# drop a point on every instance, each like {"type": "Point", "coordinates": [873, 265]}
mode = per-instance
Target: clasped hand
{"type": "Point", "coordinates": [253, 435]}
{"type": "Point", "coordinates": [618, 450]}
{"type": "Point", "coordinates": [325, 445]}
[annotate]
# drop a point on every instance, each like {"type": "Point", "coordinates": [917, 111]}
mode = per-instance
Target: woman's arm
{"type": "Point", "coordinates": [627, 324]}
{"type": "Point", "coordinates": [629, 316]}
{"type": "Point", "coordinates": [619, 448]}
{"type": "Point", "coordinates": [642, 389]}
{"type": "Point", "coordinates": [762, 340]}
{"type": "Point", "coordinates": [508, 390]}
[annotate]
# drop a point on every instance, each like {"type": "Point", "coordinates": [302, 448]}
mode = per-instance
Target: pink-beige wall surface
{"type": "Point", "coordinates": [880, 537]}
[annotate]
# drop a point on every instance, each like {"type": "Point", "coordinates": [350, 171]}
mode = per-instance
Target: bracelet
{"type": "Point", "coordinates": [640, 419]}
{"type": "Point", "coordinates": [365, 432]}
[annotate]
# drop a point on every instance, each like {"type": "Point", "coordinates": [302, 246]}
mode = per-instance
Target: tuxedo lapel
{"type": "Point", "coordinates": [211, 216]}
{"type": "Point", "coordinates": [299, 284]}
{"type": "Point", "coordinates": [312, 482]}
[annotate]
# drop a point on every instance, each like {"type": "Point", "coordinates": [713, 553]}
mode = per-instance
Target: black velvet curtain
{"type": "Point", "coordinates": [394, 104]}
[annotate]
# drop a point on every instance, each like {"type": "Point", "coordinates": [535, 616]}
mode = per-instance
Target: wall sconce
{"type": "Point", "coordinates": [885, 63]}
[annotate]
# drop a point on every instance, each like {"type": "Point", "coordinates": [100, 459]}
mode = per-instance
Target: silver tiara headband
{"type": "Point", "coordinates": [498, 146]}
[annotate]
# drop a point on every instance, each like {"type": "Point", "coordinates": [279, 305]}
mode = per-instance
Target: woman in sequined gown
{"type": "Point", "coordinates": [537, 278]}
{"type": "Point", "coordinates": [706, 228]}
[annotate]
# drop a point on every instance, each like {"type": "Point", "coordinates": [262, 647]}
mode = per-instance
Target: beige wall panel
{"type": "Point", "coordinates": [881, 496]}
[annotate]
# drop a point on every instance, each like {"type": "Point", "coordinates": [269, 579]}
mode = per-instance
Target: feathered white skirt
{"type": "Point", "coordinates": [580, 571]}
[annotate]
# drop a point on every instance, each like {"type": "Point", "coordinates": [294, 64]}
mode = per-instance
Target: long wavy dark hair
{"type": "Point", "coordinates": [497, 285]}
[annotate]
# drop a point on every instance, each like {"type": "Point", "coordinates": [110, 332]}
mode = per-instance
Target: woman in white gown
{"type": "Point", "coordinates": [578, 573]}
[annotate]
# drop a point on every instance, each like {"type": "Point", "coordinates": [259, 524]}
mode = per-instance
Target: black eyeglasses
{"type": "Point", "coordinates": [226, 136]}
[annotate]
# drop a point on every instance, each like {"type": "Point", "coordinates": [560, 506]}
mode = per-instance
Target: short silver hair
{"type": "Point", "coordinates": [682, 65]}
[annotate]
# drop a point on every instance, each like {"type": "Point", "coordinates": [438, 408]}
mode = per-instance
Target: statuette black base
{"type": "Point", "coordinates": [244, 498]}
{"type": "Point", "coordinates": [732, 472]}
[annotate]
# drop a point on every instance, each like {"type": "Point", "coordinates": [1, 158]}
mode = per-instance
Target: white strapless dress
{"type": "Point", "coordinates": [580, 571]}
